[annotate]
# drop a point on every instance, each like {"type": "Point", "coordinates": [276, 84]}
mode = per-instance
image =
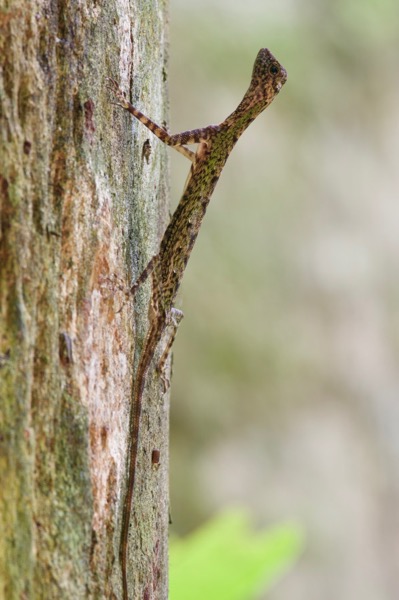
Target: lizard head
{"type": "Point", "coordinates": [268, 76]}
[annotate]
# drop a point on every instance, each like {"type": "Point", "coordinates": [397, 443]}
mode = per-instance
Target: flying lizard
{"type": "Point", "coordinates": [167, 267]}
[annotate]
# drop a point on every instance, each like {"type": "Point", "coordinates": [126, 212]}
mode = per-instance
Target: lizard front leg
{"type": "Point", "coordinates": [160, 132]}
{"type": "Point", "coordinates": [176, 141]}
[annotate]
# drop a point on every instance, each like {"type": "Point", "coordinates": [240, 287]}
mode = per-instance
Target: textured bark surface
{"type": "Point", "coordinates": [79, 203]}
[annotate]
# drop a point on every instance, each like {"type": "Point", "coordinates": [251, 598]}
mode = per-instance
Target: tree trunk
{"type": "Point", "coordinates": [82, 200]}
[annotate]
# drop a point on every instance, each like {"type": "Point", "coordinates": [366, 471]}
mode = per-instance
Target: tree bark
{"type": "Point", "coordinates": [81, 202]}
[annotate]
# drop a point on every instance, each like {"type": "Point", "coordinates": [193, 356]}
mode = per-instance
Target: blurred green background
{"type": "Point", "coordinates": [285, 395]}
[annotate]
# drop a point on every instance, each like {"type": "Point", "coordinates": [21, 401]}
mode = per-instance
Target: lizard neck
{"type": "Point", "coordinates": [255, 101]}
{"type": "Point", "coordinates": [244, 114]}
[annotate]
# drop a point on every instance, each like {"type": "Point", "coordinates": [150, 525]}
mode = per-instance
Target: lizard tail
{"type": "Point", "coordinates": [150, 345]}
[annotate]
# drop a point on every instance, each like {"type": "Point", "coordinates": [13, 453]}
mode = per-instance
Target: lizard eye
{"type": "Point", "coordinates": [274, 70]}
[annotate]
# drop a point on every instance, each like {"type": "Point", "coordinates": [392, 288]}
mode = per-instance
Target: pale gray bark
{"type": "Point", "coordinates": [79, 204]}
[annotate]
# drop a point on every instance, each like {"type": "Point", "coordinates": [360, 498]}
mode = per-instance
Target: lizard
{"type": "Point", "coordinates": [166, 268]}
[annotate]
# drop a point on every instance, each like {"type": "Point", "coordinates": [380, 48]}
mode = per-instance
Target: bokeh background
{"type": "Point", "coordinates": [285, 396]}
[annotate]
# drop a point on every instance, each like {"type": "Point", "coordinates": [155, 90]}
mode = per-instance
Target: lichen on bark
{"type": "Point", "coordinates": [79, 204]}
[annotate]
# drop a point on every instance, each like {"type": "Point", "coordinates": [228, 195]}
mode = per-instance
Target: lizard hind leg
{"type": "Point", "coordinates": [175, 318]}
{"type": "Point", "coordinates": [144, 275]}
{"type": "Point", "coordinates": [131, 291]}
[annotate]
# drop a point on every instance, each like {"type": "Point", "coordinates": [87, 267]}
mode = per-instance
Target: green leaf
{"type": "Point", "coordinates": [225, 560]}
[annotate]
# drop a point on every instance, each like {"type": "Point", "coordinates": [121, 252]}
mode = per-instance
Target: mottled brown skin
{"type": "Point", "coordinates": [215, 143]}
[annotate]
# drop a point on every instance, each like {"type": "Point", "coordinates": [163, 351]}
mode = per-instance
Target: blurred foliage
{"type": "Point", "coordinates": [285, 385]}
{"type": "Point", "coordinates": [224, 560]}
